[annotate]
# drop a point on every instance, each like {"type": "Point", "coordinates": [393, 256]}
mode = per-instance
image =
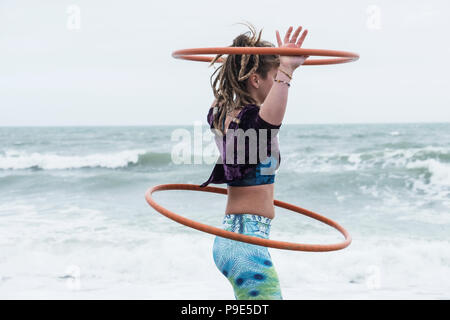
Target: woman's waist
{"type": "Point", "coordinates": [256, 199]}
{"type": "Point", "coordinates": [251, 193]}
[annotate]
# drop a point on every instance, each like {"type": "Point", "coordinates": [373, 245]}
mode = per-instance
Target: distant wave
{"type": "Point", "coordinates": [434, 161]}
{"type": "Point", "coordinates": [440, 172]}
{"type": "Point", "coordinates": [368, 135]}
{"type": "Point", "coordinates": [318, 136]}
{"type": "Point", "coordinates": [17, 160]}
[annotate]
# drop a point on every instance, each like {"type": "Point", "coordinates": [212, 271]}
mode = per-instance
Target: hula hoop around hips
{"type": "Point", "coordinates": [340, 56]}
{"type": "Point", "coordinates": [244, 238]}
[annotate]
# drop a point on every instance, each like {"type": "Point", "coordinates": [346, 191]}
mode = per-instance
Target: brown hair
{"type": "Point", "coordinates": [236, 69]}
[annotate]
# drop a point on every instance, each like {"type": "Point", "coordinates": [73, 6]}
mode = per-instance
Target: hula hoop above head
{"type": "Point", "coordinates": [244, 238]}
{"type": "Point", "coordinates": [339, 56]}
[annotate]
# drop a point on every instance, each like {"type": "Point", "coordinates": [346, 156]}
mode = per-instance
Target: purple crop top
{"type": "Point", "coordinates": [226, 171]}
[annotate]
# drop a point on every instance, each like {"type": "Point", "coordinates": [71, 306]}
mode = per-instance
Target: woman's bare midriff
{"type": "Point", "coordinates": [251, 199]}
{"type": "Point", "coordinates": [256, 199]}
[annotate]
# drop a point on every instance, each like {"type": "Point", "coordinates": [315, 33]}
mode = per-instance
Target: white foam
{"type": "Point", "coordinates": [14, 160]}
{"type": "Point", "coordinates": [431, 217]}
{"type": "Point", "coordinates": [180, 266]}
{"type": "Point", "coordinates": [355, 161]}
{"type": "Point", "coordinates": [440, 172]}
{"type": "Point", "coordinates": [119, 259]}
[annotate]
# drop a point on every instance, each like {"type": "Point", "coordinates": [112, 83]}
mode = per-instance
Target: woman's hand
{"type": "Point", "coordinates": [292, 62]}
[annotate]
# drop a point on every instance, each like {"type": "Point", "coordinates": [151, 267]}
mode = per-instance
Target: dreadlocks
{"type": "Point", "coordinates": [232, 90]}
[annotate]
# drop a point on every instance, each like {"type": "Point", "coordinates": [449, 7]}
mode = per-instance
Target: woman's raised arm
{"type": "Point", "coordinates": [274, 106]}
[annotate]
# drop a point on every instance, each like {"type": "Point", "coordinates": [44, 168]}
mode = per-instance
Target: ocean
{"type": "Point", "coordinates": [74, 223]}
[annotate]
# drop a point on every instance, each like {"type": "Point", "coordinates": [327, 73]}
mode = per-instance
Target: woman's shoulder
{"type": "Point", "coordinates": [248, 118]}
{"type": "Point", "coordinates": [250, 109]}
{"type": "Point", "coordinates": [247, 112]}
{"type": "Point", "coordinates": [210, 116]}
{"type": "Point", "coordinates": [251, 119]}
{"type": "Point", "coordinates": [211, 113]}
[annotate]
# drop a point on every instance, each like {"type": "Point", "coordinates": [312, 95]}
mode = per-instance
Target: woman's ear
{"type": "Point", "coordinates": [255, 80]}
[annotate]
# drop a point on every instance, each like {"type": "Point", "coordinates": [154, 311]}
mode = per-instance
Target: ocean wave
{"type": "Point", "coordinates": [440, 172]}
{"type": "Point", "coordinates": [400, 145]}
{"type": "Point", "coordinates": [18, 160]}
{"type": "Point", "coordinates": [318, 136]}
{"type": "Point", "coordinates": [370, 135]}
{"type": "Point", "coordinates": [424, 169]}
{"type": "Point", "coordinates": [368, 159]}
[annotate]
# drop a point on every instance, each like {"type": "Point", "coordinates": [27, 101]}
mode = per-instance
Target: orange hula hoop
{"type": "Point", "coordinates": [244, 238]}
{"type": "Point", "coordinates": [340, 56]}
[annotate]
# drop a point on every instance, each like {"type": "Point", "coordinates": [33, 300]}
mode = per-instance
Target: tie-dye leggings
{"type": "Point", "coordinates": [248, 267]}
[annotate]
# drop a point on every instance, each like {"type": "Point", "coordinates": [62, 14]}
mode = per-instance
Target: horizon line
{"type": "Point", "coordinates": [184, 125]}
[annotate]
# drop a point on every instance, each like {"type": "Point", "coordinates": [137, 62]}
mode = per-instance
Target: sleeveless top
{"type": "Point", "coordinates": [248, 164]}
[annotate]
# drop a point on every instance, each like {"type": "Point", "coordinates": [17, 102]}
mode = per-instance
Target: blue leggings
{"type": "Point", "coordinates": [248, 267]}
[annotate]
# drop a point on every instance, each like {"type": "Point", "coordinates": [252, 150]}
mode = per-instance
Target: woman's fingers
{"type": "Point", "coordinates": [288, 34]}
{"type": "Point", "coordinates": [279, 39]}
{"type": "Point", "coordinates": [302, 38]}
{"type": "Point", "coordinates": [295, 35]}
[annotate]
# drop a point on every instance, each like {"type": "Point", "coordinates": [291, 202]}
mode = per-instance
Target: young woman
{"type": "Point", "coordinates": [252, 94]}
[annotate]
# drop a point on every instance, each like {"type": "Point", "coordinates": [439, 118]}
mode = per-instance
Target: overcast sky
{"type": "Point", "coordinates": [107, 62]}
